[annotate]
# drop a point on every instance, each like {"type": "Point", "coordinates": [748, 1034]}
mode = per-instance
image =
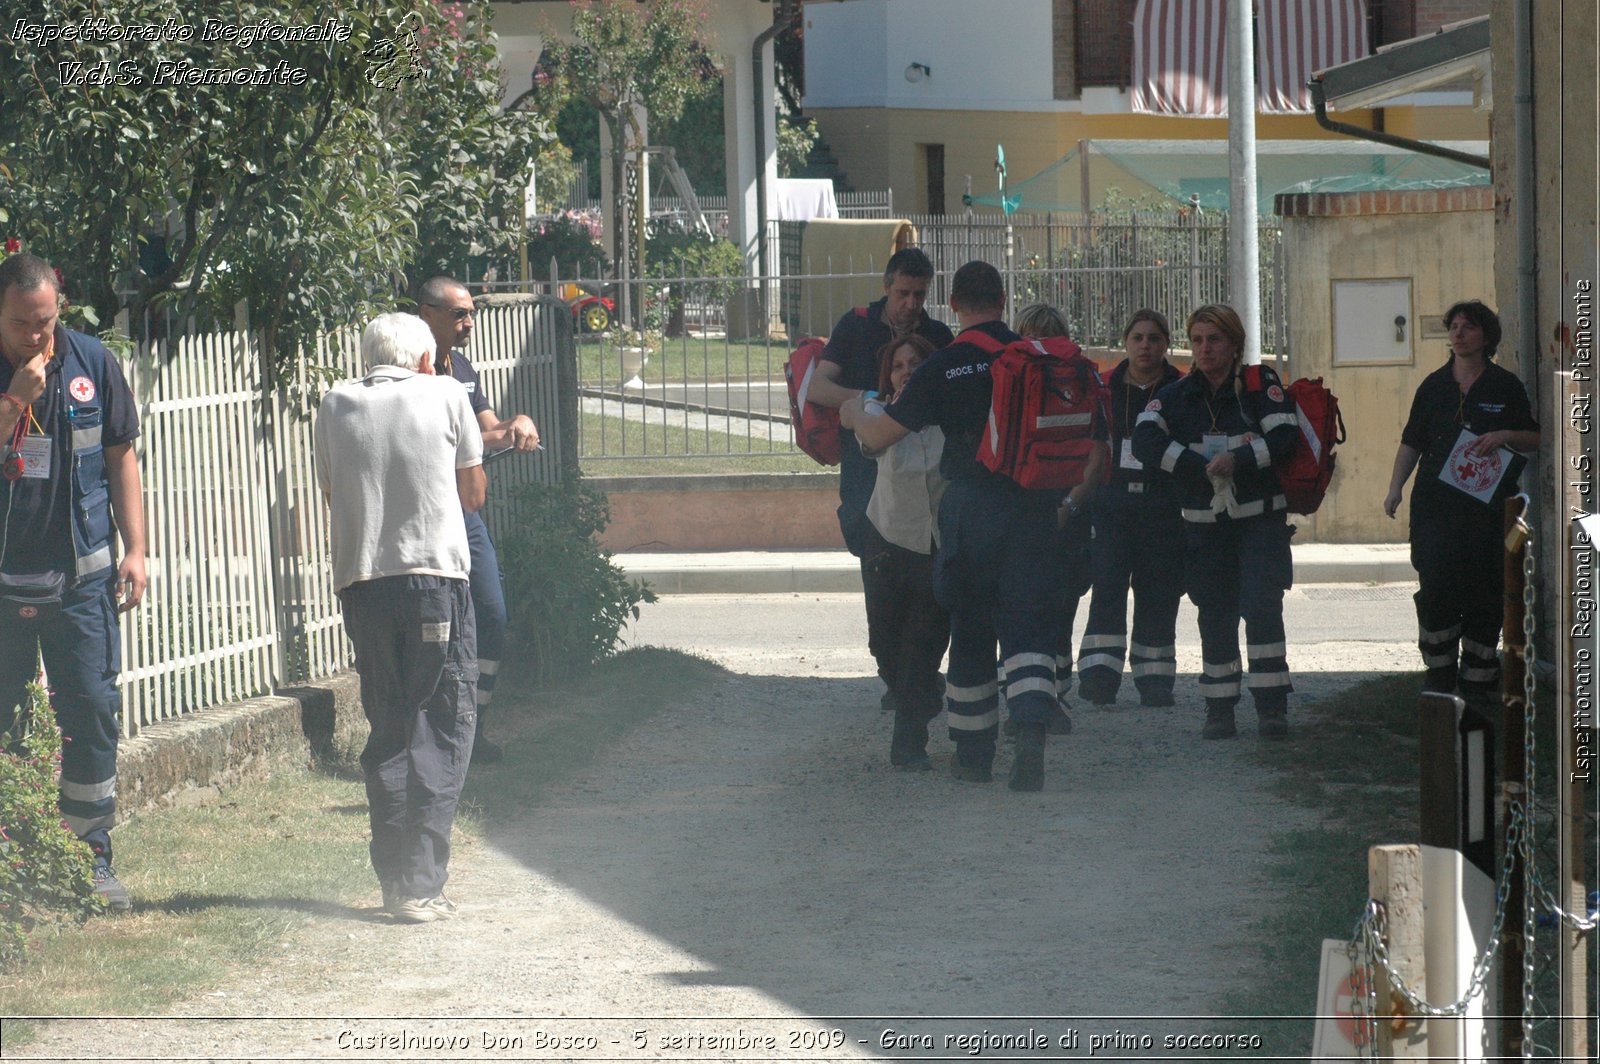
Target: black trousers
{"type": "Point", "coordinates": [1233, 570]}
{"type": "Point", "coordinates": [1002, 574]}
{"type": "Point", "coordinates": [907, 630]}
{"type": "Point", "coordinates": [1459, 557]}
{"type": "Point", "coordinates": [1138, 542]}
{"type": "Point", "coordinates": [416, 650]}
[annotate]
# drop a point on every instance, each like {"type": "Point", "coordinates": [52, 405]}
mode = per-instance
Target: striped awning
{"type": "Point", "coordinates": [1294, 39]}
{"type": "Point", "coordinates": [1179, 49]}
{"type": "Point", "coordinates": [1177, 57]}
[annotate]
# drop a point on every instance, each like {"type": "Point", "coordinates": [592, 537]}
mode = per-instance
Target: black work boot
{"type": "Point", "coordinates": [1272, 723]}
{"type": "Point", "coordinates": [974, 761]}
{"type": "Point", "coordinates": [1441, 679]}
{"type": "Point", "coordinates": [908, 747]}
{"type": "Point", "coordinates": [1219, 721]}
{"type": "Point", "coordinates": [1098, 690]}
{"type": "Point", "coordinates": [1153, 697]}
{"type": "Point", "coordinates": [1027, 767]}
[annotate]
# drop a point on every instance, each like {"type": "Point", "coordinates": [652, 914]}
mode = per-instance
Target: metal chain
{"type": "Point", "coordinates": [1520, 830]}
{"type": "Point", "coordinates": [1530, 916]}
{"type": "Point", "coordinates": [1370, 929]}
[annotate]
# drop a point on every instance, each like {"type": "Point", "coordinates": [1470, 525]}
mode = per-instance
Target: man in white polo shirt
{"type": "Point", "coordinates": [399, 457]}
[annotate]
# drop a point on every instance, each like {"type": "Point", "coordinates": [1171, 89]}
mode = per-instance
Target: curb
{"type": "Point", "coordinates": [821, 572]}
{"type": "Point", "coordinates": [191, 759]}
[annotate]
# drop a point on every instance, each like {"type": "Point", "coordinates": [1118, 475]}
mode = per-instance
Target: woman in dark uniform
{"type": "Point", "coordinates": [1464, 413]}
{"type": "Point", "coordinates": [1219, 432]}
{"type": "Point", "coordinates": [1138, 539]}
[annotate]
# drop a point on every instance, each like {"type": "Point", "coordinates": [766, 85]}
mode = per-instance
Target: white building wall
{"type": "Point", "coordinates": [991, 56]}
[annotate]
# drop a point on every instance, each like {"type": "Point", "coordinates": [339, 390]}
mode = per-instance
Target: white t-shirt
{"type": "Point", "coordinates": [904, 507]}
{"type": "Point", "coordinates": [387, 450]}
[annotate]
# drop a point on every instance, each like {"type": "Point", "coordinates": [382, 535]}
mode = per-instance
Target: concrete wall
{"type": "Point", "coordinates": [1442, 242]}
{"type": "Point", "coordinates": [856, 54]}
{"type": "Point", "coordinates": [1563, 276]}
{"type": "Point", "coordinates": [754, 511]}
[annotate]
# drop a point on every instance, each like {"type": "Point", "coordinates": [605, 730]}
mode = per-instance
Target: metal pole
{"type": "Point", "coordinates": [1244, 253]}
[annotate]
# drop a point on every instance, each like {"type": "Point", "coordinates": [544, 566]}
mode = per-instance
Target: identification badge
{"type": "Point", "coordinates": [35, 451]}
{"type": "Point", "coordinates": [1214, 443]}
{"type": "Point", "coordinates": [1128, 460]}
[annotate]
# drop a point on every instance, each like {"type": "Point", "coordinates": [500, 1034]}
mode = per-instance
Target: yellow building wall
{"type": "Point", "coordinates": [1448, 257]}
{"type": "Point", "coordinates": [881, 147]}
{"type": "Point", "coordinates": [1436, 123]}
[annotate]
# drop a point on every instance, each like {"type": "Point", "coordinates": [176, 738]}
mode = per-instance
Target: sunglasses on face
{"type": "Point", "coordinates": [458, 313]}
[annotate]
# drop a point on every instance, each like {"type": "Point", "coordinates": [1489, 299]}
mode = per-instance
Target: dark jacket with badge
{"type": "Point", "coordinates": [86, 407]}
{"type": "Point", "coordinates": [1127, 403]}
{"type": "Point", "coordinates": [1257, 425]}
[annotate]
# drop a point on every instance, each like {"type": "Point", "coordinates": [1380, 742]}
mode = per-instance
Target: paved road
{"type": "Point", "coordinates": [828, 632]}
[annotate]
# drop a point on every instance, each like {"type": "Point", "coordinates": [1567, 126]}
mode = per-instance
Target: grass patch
{"type": "Point", "coordinates": [1355, 763]}
{"type": "Point", "coordinates": [216, 887]}
{"type": "Point", "coordinates": [651, 448]}
{"type": "Point", "coordinates": [684, 359]}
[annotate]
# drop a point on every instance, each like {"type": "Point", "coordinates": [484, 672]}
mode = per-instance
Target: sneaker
{"type": "Point", "coordinates": [486, 751]}
{"type": "Point", "coordinates": [422, 910]}
{"type": "Point", "coordinates": [109, 889]}
{"type": "Point", "coordinates": [1156, 699]}
{"type": "Point", "coordinates": [1272, 725]}
{"type": "Point", "coordinates": [1027, 767]}
{"type": "Point", "coordinates": [1219, 723]}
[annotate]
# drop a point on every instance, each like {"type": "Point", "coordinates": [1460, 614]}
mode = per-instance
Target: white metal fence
{"type": "Point", "coordinates": [241, 596]}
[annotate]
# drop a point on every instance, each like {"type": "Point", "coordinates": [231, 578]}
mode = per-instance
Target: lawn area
{"type": "Point", "coordinates": [684, 359]}
{"type": "Point", "coordinates": [651, 448]}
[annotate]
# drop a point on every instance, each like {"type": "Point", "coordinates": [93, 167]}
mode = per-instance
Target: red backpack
{"type": "Point", "coordinates": [1047, 397]}
{"type": "Point", "coordinates": [816, 427]}
{"type": "Point", "coordinates": [1306, 475]}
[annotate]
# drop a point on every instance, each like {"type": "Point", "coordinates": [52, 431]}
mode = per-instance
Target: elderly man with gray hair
{"type": "Point", "coordinates": [399, 458]}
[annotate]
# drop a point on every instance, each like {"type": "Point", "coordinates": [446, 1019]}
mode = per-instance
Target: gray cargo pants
{"type": "Point", "coordinates": [417, 653]}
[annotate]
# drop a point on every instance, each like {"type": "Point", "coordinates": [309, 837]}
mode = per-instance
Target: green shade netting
{"type": "Point", "coordinates": [1181, 169]}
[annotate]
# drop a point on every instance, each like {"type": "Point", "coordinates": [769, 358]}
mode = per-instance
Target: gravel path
{"type": "Point", "coordinates": [739, 864]}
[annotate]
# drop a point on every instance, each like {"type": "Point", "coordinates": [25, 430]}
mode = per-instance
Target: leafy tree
{"type": "Point", "coordinates": [222, 155]}
{"type": "Point", "coordinates": [626, 55]}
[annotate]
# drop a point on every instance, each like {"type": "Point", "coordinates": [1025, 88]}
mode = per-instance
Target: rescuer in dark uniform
{"type": "Point", "coordinates": [1456, 538]}
{"type": "Point", "coordinates": [999, 569]}
{"type": "Point", "coordinates": [1218, 432]}
{"type": "Point", "coordinates": [1138, 539]}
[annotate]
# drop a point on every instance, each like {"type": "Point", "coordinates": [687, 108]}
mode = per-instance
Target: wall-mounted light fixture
{"type": "Point", "coordinates": [917, 71]}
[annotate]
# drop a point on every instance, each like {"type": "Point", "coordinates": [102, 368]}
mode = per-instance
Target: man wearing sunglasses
{"type": "Point", "coordinates": [447, 308]}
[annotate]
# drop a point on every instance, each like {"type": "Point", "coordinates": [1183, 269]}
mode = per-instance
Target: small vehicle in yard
{"type": "Point", "coordinates": [591, 311]}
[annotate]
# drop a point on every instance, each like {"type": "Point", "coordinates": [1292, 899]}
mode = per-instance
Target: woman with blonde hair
{"type": "Point", "coordinates": [1219, 432]}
